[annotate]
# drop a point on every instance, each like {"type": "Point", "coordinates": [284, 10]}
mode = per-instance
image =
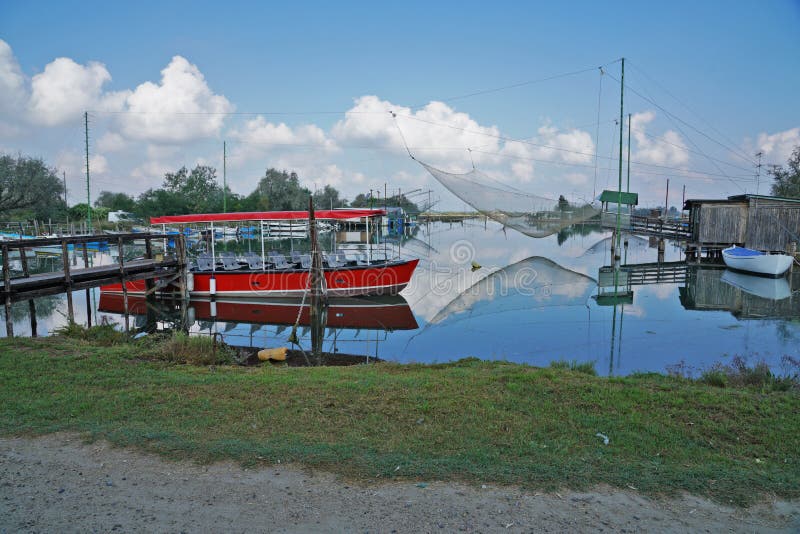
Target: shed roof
{"type": "Point", "coordinates": [615, 197]}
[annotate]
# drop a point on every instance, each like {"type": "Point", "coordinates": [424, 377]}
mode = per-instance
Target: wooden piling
{"type": "Point", "coordinates": [67, 280]}
{"type": "Point", "coordinates": [121, 252]}
{"type": "Point", "coordinates": [32, 312]}
{"type": "Point", "coordinates": [88, 291]}
{"type": "Point", "coordinates": [7, 289]}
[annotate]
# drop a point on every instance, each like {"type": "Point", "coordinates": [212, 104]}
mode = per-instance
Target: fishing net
{"type": "Point", "coordinates": [532, 215]}
{"type": "Point", "coordinates": [532, 283]}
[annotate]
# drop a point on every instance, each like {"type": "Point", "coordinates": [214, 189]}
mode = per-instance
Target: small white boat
{"type": "Point", "coordinates": [755, 261]}
{"type": "Point", "coordinates": [760, 286]}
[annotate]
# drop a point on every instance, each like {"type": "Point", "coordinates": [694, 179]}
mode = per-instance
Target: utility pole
{"type": "Point", "coordinates": [224, 178]}
{"type": "Point", "coordinates": [666, 201]}
{"type": "Point", "coordinates": [88, 191]}
{"type": "Point", "coordinates": [758, 170]}
{"type": "Point", "coordinates": [65, 188]}
{"type": "Point", "coordinates": [621, 125]}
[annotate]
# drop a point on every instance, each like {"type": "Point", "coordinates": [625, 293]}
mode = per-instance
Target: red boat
{"type": "Point", "coordinates": [371, 313]}
{"type": "Point", "coordinates": [253, 275]}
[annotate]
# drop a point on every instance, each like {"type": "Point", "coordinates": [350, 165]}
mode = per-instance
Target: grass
{"type": "Point", "coordinates": [470, 420]}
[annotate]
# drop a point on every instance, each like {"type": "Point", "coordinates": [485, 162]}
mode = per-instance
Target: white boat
{"type": "Point", "coordinates": [755, 261]}
{"type": "Point", "coordinates": [760, 286]}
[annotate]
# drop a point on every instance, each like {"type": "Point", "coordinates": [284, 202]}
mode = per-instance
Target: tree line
{"type": "Point", "coordinates": [30, 189]}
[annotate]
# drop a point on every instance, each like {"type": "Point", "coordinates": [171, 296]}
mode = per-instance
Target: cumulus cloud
{"type": "Point", "coordinates": [12, 82]}
{"type": "Point", "coordinates": [65, 89]}
{"type": "Point", "coordinates": [111, 142]}
{"type": "Point", "coordinates": [257, 137]}
{"type": "Point", "coordinates": [778, 147]}
{"type": "Point", "coordinates": [180, 108]}
{"type": "Point", "coordinates": [436, 132]}
{"type": "Point", "coordinates": [667, 149]}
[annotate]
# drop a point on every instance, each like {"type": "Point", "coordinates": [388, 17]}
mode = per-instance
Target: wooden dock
{"type": "Point", "coordinates": [29, 286]}
{"type": "Point", "coordinates": [674, 230]}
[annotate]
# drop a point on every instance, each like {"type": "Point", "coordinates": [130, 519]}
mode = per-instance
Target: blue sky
{"type": "Point", "coordinates": [260, 76]}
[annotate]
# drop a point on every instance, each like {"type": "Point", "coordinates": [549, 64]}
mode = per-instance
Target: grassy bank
{"type": "Point", "coordinates": [475, 421]}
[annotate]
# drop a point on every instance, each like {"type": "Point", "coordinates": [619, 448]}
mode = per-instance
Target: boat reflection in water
{"type": "Point", "coordinates": [745, 296]}
{"type": "Point", "coordinates": [355, 325]}
{"type": "Point", "coordinates": [760, 286]}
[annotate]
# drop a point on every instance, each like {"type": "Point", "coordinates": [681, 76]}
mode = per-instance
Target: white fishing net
{"type": "Point", "coordinates": [532, 215]}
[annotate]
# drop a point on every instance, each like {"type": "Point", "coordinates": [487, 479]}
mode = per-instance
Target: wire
{"type": "Point", "coordinates": [690, 110]}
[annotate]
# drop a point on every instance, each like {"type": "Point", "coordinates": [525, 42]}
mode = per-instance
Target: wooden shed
{"type": "Point", "coordinates": [754, 221]}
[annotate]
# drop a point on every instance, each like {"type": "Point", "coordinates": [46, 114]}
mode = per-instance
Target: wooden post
{"type": "Point", "coordinates": [148, 254]}
{"type": "Point", "coordinates": [32, 311]}
{"type": "Point", "coordinates": [88, 291]}
{"type": "Point", "coordinates": [24, 259]}
{"type": "Point", "coordinates": [67, 280]}
{"type": "Point", "coordinates": [7, 291]}
{"type": "Point", "coordinates": [121, 253]}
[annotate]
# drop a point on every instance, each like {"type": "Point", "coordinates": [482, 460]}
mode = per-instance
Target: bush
{"type": "Point", "coordinates": [179, 347]}
{"type": "Point", "coordinates": [102, 334]}
{"type": "Point", "coordinates": [575, 365]}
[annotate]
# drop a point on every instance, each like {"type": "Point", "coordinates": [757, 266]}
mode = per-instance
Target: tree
{"type": "Point", "coordinates": [563, 203]}
{"type": "Point", "coordinates": [328, 198]}
{"type": "Point", "coordinates": [278, 190]}
{"type": "Point", "coordinates": [115, 201]}
{"type": "Point", "coordinates": [787, 181]}
{"type": "Point", "coordinates": [29, 188]}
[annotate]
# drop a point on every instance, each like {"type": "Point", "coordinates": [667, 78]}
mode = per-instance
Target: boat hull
{"type": "Point", "coordinates": [387, 279]}
{"type": "Point", "coordinates": [764, 264]}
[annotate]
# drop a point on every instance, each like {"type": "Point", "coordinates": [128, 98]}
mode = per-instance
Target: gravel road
{"type": "Point", "coordinates": [58, 483]}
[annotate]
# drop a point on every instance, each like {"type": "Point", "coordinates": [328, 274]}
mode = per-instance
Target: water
{"type": "Point", "coordinates": [528, 301]}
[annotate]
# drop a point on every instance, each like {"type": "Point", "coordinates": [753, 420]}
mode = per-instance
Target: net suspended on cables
{"type": "Point", "coordinates": [532, 215]}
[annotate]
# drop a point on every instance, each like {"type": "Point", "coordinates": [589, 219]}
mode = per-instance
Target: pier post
{"type": "Point", "coordinates": [148, 254]}
{"type": "Point", "coordinates": [67, 280]}
{"type": "Point", "coordinates": [32, 311]}
{"type": "Point", "coordinates": [7, 291]}
{"type": "Point", "coordinates": [121, 253]}
{"type": "Point", "coordinates": [88, 291]}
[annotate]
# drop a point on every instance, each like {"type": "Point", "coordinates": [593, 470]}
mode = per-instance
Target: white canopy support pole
{"type": "Point", "coordinates": [263, 256]}
{"type": "Point", "coordinates": [213, 253]}
{"type": "Point", "coordinates": [369, 244]}
{"type": "Point", "coordinates": [164, 231]}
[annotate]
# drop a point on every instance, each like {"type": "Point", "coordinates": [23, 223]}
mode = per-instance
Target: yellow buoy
{"type": "Point", "coordinates": [278, 354]}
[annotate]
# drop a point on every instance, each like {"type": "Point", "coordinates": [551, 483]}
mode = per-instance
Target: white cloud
{"type": "Point", "coordinates": [111, 142]}
{"type": "Point", "coordinates": [778, 147]}
{"type": "Point", "coordinates": [573, 146]}
{"type": "Point", "coordinates": [180, 108]}
{"type": "Point", "coordinates": [258, 137]}
{"type": "Point", "coordinates": [668, 149]}
{"type": "Point", "coordinates": [65, 89]}
{"type": "Point", "coordinates": [12, 82]}
{"type": "Point", "coordinates": [436, 132]}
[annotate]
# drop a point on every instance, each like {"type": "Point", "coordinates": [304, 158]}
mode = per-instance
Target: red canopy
{"type": "Point", "coordinates": [265, 216]}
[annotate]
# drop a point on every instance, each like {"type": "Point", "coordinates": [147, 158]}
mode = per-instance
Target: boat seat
{"type": "Point", "coordinates": [305, 261]}
{"type": "Point", "coordinates": [229, 261]}
{"type": "Point", "coordinates": [205, 262]}
{"type": "Point", "coordinates": [254, 261]}
{"type": "Point", "coordinates": [279, 261]}
{"type": "Point", "coordinates": [332, 260]}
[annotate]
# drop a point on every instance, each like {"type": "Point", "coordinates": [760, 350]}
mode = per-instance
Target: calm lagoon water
{"type": "Point", "coordinates": [522, 300]}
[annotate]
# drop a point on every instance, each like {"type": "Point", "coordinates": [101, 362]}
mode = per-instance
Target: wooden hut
{"type": "Point", "coordinates": [754, 221]}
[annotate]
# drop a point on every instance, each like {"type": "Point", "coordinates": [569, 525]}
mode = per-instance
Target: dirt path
{"type": "Point", "coordinates": [58, 484]}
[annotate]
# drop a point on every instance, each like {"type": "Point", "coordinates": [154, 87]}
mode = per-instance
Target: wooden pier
{"type": "Point", "coordinates": [675, 230]}
{"type": "Point", "coordinates": [165, 268]}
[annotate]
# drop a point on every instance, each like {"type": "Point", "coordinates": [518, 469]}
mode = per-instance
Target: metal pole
{"type": "Point", "coordinates": [224, 178]}
{"type": "Point", "coordinates": [666, 201]}
{"type": "Point", "coordinates": [65, 190]}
